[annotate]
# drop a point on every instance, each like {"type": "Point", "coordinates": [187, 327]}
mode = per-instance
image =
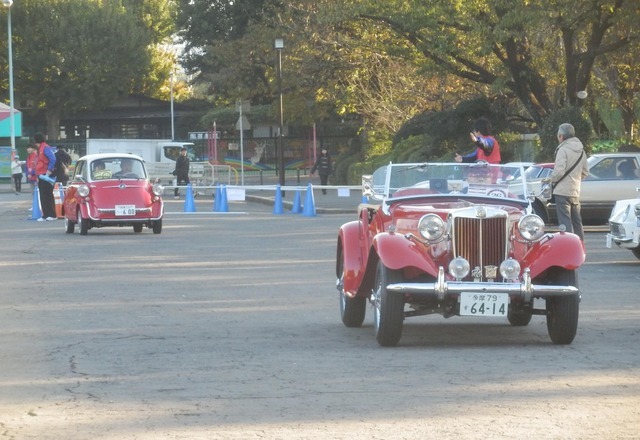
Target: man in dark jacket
{"type": "Point", "coordinates": [182, 171]}
{"type": "Point", "coordinates": [324, 167]}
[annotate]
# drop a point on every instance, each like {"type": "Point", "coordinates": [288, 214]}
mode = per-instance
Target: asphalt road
{"type": "Point", "coordinates": [227, 327]}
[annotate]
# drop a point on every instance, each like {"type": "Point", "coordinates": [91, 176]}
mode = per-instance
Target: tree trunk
{"type": "Point", "coordinates": [53, 124]}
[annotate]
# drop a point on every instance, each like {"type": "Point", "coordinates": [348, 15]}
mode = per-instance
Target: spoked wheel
{"type": "Point", "coordinates": [388, 307]}
{"type": "Point", "coordinates": [563, 311]}
{"type": "Point", "coordinates": [69, 226]}
{"type": "Point", "coordinates": [352, 310]}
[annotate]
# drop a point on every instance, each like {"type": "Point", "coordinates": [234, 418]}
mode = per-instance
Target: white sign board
{"type": "Point", "coordinates": [236, 194]}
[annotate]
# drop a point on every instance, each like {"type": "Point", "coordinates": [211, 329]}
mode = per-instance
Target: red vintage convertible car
{"type": "Point", "coordinates": [454, 239]}
{"type": "Point", "coordinates": [112, 190]}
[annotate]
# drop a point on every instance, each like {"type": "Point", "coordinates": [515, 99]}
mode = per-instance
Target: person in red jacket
{"type": "Point", "coordinates": [32, 159]}
{"type": "Point", "coordinates": [44, 167]}
{"type": "Point", "coordinates": [488, 149]}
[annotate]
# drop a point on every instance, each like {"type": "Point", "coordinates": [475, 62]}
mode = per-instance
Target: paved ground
{"type": "Point", "coordinates": [226, 326]}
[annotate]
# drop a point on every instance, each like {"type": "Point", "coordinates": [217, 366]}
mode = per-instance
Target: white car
{"type": "Point", "coordinates": [624, 225]}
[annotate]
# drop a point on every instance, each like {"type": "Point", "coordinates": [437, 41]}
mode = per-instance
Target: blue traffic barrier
{"type": "Point", "coordinates": [224, 205]}
{"type": "Point", "coordinates": [309, 203]}
{"type": "Point", "coordinates": [189, 201]}
{"type": "Point", "coordinates": [36, 212]}
{"type": "Point", "coordinates": [277, 206]}
{"type": "Point", "coordinates": [297, 205]}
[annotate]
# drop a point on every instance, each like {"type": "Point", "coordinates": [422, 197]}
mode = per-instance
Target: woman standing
{"type": "Point", "coordinates": [16, 173]}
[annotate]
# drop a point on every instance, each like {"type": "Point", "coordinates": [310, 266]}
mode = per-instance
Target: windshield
{"type": "Point", "coordinates": [117, 168]}
{"type": "Point", "coordinates": [473, 179]}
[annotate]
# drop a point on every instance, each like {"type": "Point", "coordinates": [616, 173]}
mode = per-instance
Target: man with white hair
{"type": "Point", "coordinates": [569, 169]}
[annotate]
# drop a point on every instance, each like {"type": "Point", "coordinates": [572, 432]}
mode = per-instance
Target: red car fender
{"type": "Point", "coordinates": [83, 208]}
{"type": "Point", "coordinates": [352, 257]}
{"type": "Point", "coordinates": [561, 250]}
{"type": "Point", "coordinates": [397, 252]}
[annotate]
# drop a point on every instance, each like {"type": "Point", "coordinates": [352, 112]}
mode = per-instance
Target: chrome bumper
{"type": "Point", "coordinates": [525, 289]}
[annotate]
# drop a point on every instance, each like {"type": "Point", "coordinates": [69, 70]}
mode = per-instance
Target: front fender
{"type": "Point", "coordinates": [562, 250]}
{"type": "Point", "coordinates": [397, 252]}
{"type": "Point", "coordinates": [349, 258]}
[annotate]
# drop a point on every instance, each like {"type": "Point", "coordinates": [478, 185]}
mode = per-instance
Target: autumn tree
{"type": "Point", "coordinates": [71, 55]}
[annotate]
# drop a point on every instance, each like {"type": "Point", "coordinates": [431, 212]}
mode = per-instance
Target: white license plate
{"type": "Point", "coordinates": [125, 210]}
{"type": "Point", "coordinates": [484, 304]}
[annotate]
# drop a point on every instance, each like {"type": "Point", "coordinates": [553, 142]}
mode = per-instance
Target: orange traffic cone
{"type": "Point", "coordinates": [57, 196]}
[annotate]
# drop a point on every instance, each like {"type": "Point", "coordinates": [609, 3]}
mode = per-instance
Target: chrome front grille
{"type": "Point", "coordinates": [617, 230]}
{"type": "Point", "coordinates": [481, 241]}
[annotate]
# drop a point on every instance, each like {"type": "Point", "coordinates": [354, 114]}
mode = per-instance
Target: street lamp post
{"type": "Point", "coordinates": [7, 4]}
{"type": "Point", "coordinates": [279, 45]}
{"type": "Point", "coordinates": [173, 133]}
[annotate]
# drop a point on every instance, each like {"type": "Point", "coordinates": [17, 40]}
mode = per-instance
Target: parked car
{"type": "Point", "coordinates": [457, 240]}
{"type": "Point", "coordinates": [112, 190]}
{"type": "Point", "coordinates": [612, 176]}
{"type": "Point", "coordinates": [517, 168]}
{"type": "Point", "coordinates": [624, 225]}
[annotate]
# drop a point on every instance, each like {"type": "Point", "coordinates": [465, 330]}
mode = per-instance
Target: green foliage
{"type": "Point", "coordinates": [446, 132]}
{"type": "Point", "coordinates": [549, 131]}
{"type": "Point", "coordinates": [72, 55]}
{"type": "Point", "coordinates": [417, 148]}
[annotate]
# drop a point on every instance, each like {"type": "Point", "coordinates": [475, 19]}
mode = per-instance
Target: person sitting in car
{"type": "Point", "coordinates": [627, 169]}
{"type": "Point", "coordinates": [99, 171]}
{"type": "Point", "coordinates": [126, 167]}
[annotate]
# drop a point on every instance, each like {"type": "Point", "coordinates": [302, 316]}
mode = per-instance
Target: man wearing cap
{"type": "Point", "coordinates": [181, 171]}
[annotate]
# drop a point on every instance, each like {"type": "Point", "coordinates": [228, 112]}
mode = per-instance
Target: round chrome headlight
{"type": "Point", "coordinates": [83, 190]}
{"type": "Point", "coordinates": [510, 269]}
{"type": "Point", "coordinates": [459, 268]}
{"type": "Point", "coordinates": [158, 189]}
{"type": "Point", "coordinates": [431, 227]}
{"type": "Point", "coordinates": [531, 227]}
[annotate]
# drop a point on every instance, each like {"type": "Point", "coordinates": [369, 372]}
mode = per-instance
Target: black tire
{"type": "Point", "coordinates": [83, 224]}
{"type": "Point", "coordinates": [352, 310]}
{"type": "Point", "coordinates": [157, 226]}
{"type": "Point", "coordinates": [137, 227]}
{"type": "Point", "coordinates": [388, 307]}
{"type": "Point", "coordinates": [69, 226]}
{"type": "Point", "coordinates": [636, 252]}
{"type": "Point", "coordinates": [519, 318]}
{"type": "Point", "coordinates": [563, 311]}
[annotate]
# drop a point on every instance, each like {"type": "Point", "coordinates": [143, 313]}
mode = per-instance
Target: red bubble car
{"type": "Point", "coordinates": [455, 239]}
{"type": "Point", "coordinates": [112, 190]}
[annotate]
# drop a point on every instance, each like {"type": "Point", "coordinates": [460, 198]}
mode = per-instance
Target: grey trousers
{"type": "Point", "coordinates": [568, 209]}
